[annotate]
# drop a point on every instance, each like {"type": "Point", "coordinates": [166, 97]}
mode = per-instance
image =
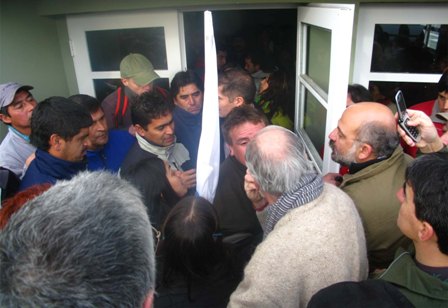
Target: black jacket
{"type": "Point", "coordinates": [147, 173]}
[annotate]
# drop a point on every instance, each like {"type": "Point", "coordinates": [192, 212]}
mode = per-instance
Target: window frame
{"type": "Point", "coordinates": [372, 14]}
{"type": "Point", "coordinates": [77, 26]}
{"type": "Point", "coordinates": [339, 20]}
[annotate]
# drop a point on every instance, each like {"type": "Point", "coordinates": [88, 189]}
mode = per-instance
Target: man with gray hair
{"type": "Point", "coordinates": [313, 233]}
{"type": "Point", "coordinates": [86, 242]}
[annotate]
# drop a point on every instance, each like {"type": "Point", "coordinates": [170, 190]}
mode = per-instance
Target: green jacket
{"type": "Point", "coordinates": [373, 189]}
{"type": "Point", "coordinates": [279, 117]}
{"type": "Point", "coordinates": [420, 288]}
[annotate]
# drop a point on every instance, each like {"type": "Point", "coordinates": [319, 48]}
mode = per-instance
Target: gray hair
{"type": "Point", "coordinates": [277, 168]}
{"type": "Point", "coordinates": [86, 242]}
{"type": "Point", "coordinates": [383, 139]}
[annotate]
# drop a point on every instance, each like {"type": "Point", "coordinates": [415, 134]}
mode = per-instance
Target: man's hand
{"type": "Point", "coordinates": [175, 180]}
{"type": "Point", "coordinates": [253, 192]}
{"type": "Point", "coordinates": [188, 178]}
{"type": "Point", "coordinates": [333, 178]}
{"type": "Point", "coordinates": [429, 140]}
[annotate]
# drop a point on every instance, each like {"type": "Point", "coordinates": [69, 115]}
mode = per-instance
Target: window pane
{"type": "Point", "coordinates": [318, 56]}
{"type": "Point", "coordinates": [410, 48]}
{"type": "Point", "coordinates": [107, 47]}
{"type": "Point", "coordinates": [314, 122]}
{"type": "Point", "coordinates": [103, 87]}
{"type": "Point", "coordinates": [413, 92]}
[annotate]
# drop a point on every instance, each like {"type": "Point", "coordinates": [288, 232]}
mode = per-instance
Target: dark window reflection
{"type": "Point", "coordinates": [103, 87]}
{"type": "Point", "coordinates": [107, 47]}
{"type": "Point", "coordinates": [410, 48]}
{"type": "Point", "coordinates": [414, 92]}
{"type": "Point", "coordinates": [272, 33]}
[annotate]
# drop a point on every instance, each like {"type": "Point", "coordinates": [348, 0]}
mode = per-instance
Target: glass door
{"type": "Point", "coordinates": [401, 47]}
{"type": "Point", "coordinates": [324, 38]}
{"type": "Point", "coordinates": [98, 42]}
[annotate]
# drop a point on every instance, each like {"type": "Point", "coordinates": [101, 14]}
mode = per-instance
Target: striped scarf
{"type": "Point", "coordinates": [308, 189]}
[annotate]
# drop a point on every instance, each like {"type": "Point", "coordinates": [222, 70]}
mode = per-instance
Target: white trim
{"type": "Point", "coordinates": [371, 14]}
{"type": "Point", "coordinates": [183, 48]}
{"type": "Point", "coordinates": [339, 20]}
{"type": "Point", "coordinates": [405, 77]}
{"type": "Point", "coordinates": [315, 90]}
{"type": "Point", "coordinates": [78, 24]}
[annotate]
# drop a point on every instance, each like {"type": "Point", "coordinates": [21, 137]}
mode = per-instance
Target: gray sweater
{"type": "Point", "coordinates": [311, 247]}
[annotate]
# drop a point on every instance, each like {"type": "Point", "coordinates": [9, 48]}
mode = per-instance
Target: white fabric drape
{"type": "Point", "coordinates": [207, 170]}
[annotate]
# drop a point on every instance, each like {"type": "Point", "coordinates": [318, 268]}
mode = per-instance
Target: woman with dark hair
{"type": "Point", "coordinates": [195, 267]}
{"type": "Point", "coordinates": [276, 99]}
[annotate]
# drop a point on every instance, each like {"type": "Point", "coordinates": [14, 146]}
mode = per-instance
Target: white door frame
{"type": "Point", "coordinates": [339, 20]}
{"type": "Point", "coordinates": [78, 24]}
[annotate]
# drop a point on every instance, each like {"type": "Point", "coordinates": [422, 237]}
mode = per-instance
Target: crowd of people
{"type": "Point", "coordinates": [100, 206]}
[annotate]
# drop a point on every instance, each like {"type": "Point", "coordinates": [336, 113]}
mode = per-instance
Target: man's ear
{"type": "Point", "coordinates": [149, 300]}
{"type": "Point", "coordinates": [140, 130]}
{"type": "Point", "coordinates": [426, 231]}
{"type": "Point", "coordinates": [6, 119]}
{"type": "Point", "coordinates": [365, 152]}
{"type": "Point", "coordinates": [231, 152]}
{"type": "Point", "coordinates": [55, 142]}
{"type": "Point", "coordinates": [238, 101]}
{"type": "Point", "coordinates": [125, 81]}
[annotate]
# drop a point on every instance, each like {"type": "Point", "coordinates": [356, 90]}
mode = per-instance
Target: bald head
{"type": "Point", "coordinates": [277, 160]}
{"type": "Point", "coordinates": [367, 112]}
{"type": "Point", "coordinates": [366, 131]}
{"type": "Point", "coordinates": [272, 142]}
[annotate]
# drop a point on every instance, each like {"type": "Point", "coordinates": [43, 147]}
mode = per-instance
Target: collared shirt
{"type": "Point", "coordinates": [15, 150]}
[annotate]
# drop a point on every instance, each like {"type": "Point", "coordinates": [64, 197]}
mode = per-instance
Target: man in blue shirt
{"type": "Point", "coordinates": [59, 130]}
{"type": "Point", "coordinates": [106, 150]}
{"type": "Point", "coordinates": [187, 90]}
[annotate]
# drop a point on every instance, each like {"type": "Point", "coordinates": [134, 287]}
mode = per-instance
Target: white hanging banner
{"type": "Point", "coordinates": [207, 170]}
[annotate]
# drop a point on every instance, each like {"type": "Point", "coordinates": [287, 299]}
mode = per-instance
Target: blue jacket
{"type": "Point", "coordinates": [187, 128]}
{"type": "Point", "coordinates": [46, 168]}
{"type": "Point", "coordinates": [112, 155]}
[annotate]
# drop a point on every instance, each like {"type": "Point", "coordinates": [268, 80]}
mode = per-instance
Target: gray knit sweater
{"type": "Point", "coordinates": [311, 247]}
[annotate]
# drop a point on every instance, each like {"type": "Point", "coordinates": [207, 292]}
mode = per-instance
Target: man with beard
{"type": "Point", "coordinates": [59, 131]}
{"type": "Point", "coordinates": [366, 141]}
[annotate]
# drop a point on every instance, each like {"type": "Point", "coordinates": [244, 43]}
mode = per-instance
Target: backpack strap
{"type": "Point", "coordinates": [121, 107]}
